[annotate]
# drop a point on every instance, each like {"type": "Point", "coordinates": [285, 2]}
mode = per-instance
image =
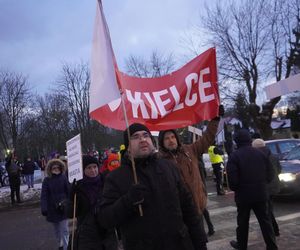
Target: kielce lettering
{"type": "Point", "coordinates": [162, 98]}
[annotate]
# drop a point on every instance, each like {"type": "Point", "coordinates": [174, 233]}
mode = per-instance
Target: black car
{"type": "Point", "coordinates": [280, 148]}
{"type": "Point", "coordinates": [290, 173]}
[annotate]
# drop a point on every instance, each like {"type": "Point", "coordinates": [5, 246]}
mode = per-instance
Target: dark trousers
{"type": "Point", "coordinates": [273, 220]}
{"type": "Point", "coordinates": [14, 184]}
{"type": "Point", "coordinates": [1, 180]}
{"type": "Point", "coordinates": [218, 172]}
{"type": "Point", "coordinates": [261, 212]}
{"type": "Point", "coordinates": [208, 221]}
{"type": "Point", "coordinates": [202, 235]}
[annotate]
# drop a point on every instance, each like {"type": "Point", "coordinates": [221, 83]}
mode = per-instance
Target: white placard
{"type": "Point", "coordinates": [74, 159]}
{"type": "Point", "coordinates": [194, 130]}
{"type": "Point", "coordinates": [283, 87]}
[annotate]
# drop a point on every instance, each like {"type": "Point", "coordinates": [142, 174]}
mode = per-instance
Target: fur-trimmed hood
{"type": "Point", "coordinates": [53, 162]}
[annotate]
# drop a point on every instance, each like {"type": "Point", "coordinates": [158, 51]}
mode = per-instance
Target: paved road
{"type": "Point", "coordinates": [223, 215]}
{"type": "Point", "coordinates": [23, 228]}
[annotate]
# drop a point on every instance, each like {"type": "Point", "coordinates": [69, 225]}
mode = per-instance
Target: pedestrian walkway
{"type": "Point", "coordinates": [288, 239]}
{"type": "Point", "coordinates": [223, 214]}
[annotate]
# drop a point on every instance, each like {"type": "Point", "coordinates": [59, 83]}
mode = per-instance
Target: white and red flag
{"type": "Point", "coordinates": [181, 98]}
{"type": "Point", "coordinates": [104, 87]}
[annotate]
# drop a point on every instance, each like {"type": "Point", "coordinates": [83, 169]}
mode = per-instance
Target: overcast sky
{"type": "Point", "coordinates": [37, 36]}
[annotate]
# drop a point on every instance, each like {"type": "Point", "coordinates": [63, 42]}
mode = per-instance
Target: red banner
{"type": "Point", "coordinates": [184, 97]}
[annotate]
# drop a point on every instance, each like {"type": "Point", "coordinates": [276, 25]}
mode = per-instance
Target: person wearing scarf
{"type": "Point", "coordinates": [90, 234]}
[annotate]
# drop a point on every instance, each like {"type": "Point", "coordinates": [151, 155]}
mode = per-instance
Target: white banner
{"type": "Point", "coordinates": [283, 87]}
{"type": "Point", "coordinates": [74, 159]}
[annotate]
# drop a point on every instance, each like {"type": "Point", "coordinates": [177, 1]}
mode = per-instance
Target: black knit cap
{"type": "Point", "coordinates": [135, 127]}
{"type": "Point", "coordinates": [242, 137]}
{"type": "Point", "coordinates": [87, 159]}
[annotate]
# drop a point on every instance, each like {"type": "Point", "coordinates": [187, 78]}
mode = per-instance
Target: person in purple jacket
{"type": "Point", "coordinates": [55, 193]}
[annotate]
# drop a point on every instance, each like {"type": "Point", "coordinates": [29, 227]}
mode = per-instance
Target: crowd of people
{"type": "Point", "coordinates": [156, 199]}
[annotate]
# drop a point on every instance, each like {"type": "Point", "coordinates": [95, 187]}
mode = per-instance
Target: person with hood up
{"type": "Point", "coordinates": [274, 185]}
{"type": "Point", "coordinates": [170, 219]}
{"type": "Point", "coordinates": [90, 234]}
{"type": "Point", "coordinates": [186, 160]}
{"type": "Point", "coordinates": [55, 193]}
{"type": "Point", "coordinates": [249, 171]}
{"type": "Point", "coordinates": [113, 162]}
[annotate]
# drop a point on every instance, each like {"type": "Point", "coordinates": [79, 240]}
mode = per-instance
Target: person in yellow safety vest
{"type": "Point", "coordinates": [122, 150]}
{"type": "Point", "coordinates": [216, 159]}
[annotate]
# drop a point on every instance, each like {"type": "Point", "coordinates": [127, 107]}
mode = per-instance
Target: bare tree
{"type": "Point", "coordinates": [15, 99]}
{"type": "Point", "coordinates": [53, 128]}
{"type": "Point", "coordinates": [157, 66]}
{"type": "Point", "coordinates": [252, 38]}
{"type": "Point", "coordinates": [74, 86]}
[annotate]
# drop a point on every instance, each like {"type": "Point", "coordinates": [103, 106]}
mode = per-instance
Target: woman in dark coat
{"type": "Point", "coordinates": [55, 191]}
{"type": "Point", "coordinates": [90, 234]}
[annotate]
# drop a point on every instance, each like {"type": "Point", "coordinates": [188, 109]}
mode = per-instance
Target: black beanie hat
{"type": "Point", "coordinates": [242, 137]}
{"type": "Point", "coordinates": [87, 159]}
{"type": "Point", "coordinates": [135, 127]}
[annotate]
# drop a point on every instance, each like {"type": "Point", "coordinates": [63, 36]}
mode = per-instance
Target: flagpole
{"type": "Point", "coordinates": [131, 156]}
{"type": "Point", "coordinates": [122, 96]}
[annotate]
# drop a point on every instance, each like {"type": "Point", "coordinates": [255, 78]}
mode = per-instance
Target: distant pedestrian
{"type": "Point", "coordinates": [249, 170]}
{"type": "Point", "coordinates": [55, 193]}
{"type": "Point", "coordinates": [217, 162]}
{"type": "Point", "coordinates": [28, 171]}
{"type": "Point", "coordinates": [13, 170]}
{"type": "Point", "coordinates": [228, 144]}
{"type": "Point", "coordinates": [43, 164]}
{"type": "Point", "coordinates": [274, 185]}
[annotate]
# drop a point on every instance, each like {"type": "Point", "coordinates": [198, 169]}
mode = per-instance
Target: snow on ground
{"type": "Point", "coordinates": [26, 194]}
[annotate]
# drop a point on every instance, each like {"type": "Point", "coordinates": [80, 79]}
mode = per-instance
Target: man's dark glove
{"type": "Point", "coordinates": [221, 110]}
{"type": "Point", "coordinates": [136, 194]}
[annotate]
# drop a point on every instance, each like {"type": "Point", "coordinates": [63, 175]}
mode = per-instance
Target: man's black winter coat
{"type": "Point", "coordinates": [249, 170]}
{"type": "Point", "coordinates": [170, 219]}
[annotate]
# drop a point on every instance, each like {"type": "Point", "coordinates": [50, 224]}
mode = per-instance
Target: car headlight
{"type": "Point", "coordinates": [286, 177]}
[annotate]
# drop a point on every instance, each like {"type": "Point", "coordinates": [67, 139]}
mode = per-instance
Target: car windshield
{"type": "Point", "coordinates": [286, 147]}
{"type": "Point", "coordinates": [294, 154]}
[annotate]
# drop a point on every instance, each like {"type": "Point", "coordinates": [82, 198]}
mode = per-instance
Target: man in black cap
{"type": "Point", "coordinates": [170, 219]}
{"type": "Point", "coordinates": [249, 170]}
